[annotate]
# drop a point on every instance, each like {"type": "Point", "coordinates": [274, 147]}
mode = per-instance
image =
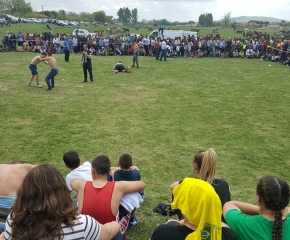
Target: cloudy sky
{"type": "Point", "coordinates": [173, 10]}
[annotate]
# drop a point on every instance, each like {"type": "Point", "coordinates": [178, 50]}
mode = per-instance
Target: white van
{"type": "Point", "coordinates": [172, 34]}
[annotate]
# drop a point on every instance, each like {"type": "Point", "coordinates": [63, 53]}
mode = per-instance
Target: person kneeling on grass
{"type": "Point", "coordinates": [201, 208]}
{"type": "Point", "coordinates": [119, 67]}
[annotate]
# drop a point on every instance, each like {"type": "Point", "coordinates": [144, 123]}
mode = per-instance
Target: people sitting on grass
{"type": "Point", "coordinates": [201, 211]}
{"type": "Point", "coordinates": [109, 194]}
{"type": "Point", "coordinates": [44, 210]}
{"type": "Point", "coordinates": [128, 172]}
{"type": "Point", "coordinates": [270, 219]}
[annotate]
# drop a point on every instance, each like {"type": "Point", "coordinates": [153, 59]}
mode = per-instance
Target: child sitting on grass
{"type": "Point", "coordinates": [127, 173]}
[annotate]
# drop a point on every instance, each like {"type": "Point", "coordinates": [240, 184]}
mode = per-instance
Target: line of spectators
{"type": "Point", "coordinates": [265, 49]}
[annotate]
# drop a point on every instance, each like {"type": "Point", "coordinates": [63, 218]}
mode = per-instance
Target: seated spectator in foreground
{"type": "Point", "coordinates": [119, 67]}
{"type": "Point", "coordinates": [109, 194]}
{"type": "Point", "coordinates": [269, 220]}
{"type": "Point", "coordinates": [128, 173]}
{"type": "Point", "coordinates": [44, 210]}
{"type": "Point", "coordinates": [73, 162]}
{"type": "Point", "coordinates": [12, 176]}
{"type": "Point", "coordinates": [204, 164]}
{"type": "Point", "coordinates": [201, 209]}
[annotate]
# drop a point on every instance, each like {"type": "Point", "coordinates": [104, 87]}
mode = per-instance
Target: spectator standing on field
{"type": "Point", "coordinates": [136, 53]}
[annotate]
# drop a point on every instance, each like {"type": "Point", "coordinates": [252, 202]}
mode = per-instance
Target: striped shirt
{"type": "Point", "coordinates": [85, 228]}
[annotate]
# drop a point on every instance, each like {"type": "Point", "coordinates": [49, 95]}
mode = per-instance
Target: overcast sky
{"type": "Point", "coordinates": [173, 10]}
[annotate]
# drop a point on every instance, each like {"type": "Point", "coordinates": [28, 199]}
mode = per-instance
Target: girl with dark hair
{"type": "Point", "coordinates": [44, 210]}
{"type": "Point", "coordinates": [269, 220]}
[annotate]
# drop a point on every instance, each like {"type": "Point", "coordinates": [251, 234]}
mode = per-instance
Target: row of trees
{"type": "Point", "coordinates": [126, 16]}
{"type": "Point", "coordinates": [16, 7]}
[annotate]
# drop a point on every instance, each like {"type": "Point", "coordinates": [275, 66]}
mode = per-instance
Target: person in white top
{"type": "Point", "coordinates": [163, 50]}
{"type": "Point", "coordinates": [73, 162]}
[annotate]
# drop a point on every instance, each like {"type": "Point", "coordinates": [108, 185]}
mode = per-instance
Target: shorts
{"type": "Point", "coordinates": [120, 67]}
{"type": "Point", "coordinates": [33, 69]}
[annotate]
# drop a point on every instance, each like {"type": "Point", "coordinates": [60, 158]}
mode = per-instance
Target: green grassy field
{"type": "Point", "coordinates": [161, 113]}
{"type": "Point", "coordinates": [39, 28]}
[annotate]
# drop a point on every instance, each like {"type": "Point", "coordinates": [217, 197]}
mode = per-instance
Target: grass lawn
{"type": "Point", "coordinates": [161, 113]}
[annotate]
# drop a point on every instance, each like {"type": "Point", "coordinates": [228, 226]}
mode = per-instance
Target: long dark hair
{"type": "Point", "coordinates": [274, 193]}
{"type": "Point", "coordinates": [43, 203]}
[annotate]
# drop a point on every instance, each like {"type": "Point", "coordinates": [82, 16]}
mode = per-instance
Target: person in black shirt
{"type": "Point", "coordinates": [87, 63]}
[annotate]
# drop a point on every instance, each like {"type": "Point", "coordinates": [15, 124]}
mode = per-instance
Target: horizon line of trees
{"type": "Point", "coordinates": [21, 8]}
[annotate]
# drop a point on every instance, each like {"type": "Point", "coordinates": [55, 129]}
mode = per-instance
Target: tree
{"type": "Point", "coordinates": [61, 14]}
{"type": "Point", "coordinates": [127, 15]}
{"type": "Point", "coordinates": [227, 19]}
{"type": "Point", "coordinates": [124, 15]}
{"type": "Point", "coordinates": [191, 22]}
{"type": "Point", "coordinates": [134, 15]}
{"type": "Point", "coordinates": [120, 14]}
{"type": "Point", "coordinates": [205, 19]}
{"type": "Point", "coordinates": [100, 16]}
{"type": "Point", "coordinates": [16, 6]}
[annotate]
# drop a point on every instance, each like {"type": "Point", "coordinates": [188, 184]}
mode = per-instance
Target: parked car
{"type": "Point", "coordinates": [80, 32]}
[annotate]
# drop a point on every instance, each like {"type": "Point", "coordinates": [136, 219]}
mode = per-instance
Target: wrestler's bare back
{"type": "Point", "coordinates": [12, 176]}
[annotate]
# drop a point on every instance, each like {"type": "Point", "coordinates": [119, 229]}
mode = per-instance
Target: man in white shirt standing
{"type": "Point", "coordinates": [146, 44]}
{"type": "Point", "coordinates": [163, 50]}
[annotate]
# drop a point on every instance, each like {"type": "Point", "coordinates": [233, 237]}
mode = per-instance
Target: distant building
{"type": "Point", "coordinates": [273, 25]}
{"type": "Point", "coordinates": [253, 25]}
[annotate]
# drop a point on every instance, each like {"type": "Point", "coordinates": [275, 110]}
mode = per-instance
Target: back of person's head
{"type": "Point", "coordinates": [201, 206]}
{"type": "Point", "coordinates": [206, 163]}
{"type": "Point", "coordinates": [43, 203]}
{"type": "Point", "coordinates": [274, 194]}
{"type": "Point", "coordinates": [16, 162]}
{"type": "Point", "coordinates": [49, 53]}
{"type": "Point", "coordinates": [125, 161]}
{"type": "Point", "coordinates": [71, 159]}
{"type": "Point", "coordinates": [102, 165]}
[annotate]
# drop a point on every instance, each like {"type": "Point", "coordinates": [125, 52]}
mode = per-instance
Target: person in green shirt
{"type": "Point", "coordinates": [269, 220]}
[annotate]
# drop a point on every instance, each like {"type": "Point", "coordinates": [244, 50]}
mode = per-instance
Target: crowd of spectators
{"type": "Point", "coordinates": [269, 49]}
{"type": "Point", "coordinates": [106, 200]}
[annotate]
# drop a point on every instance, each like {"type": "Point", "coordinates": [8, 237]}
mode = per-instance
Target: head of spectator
{"type": "Point", "coordinates": [125, 161]}
{"type": "Point", "coordinates": [43, 203]}
{"type": "Point", "coordinates": [71, 160]}
{"type": "Point", "coordinates": [273, 194]}
{"type": "Point", "coordinates": [204, 163]}
{"type": "Point", "coordinates": [101, 166]}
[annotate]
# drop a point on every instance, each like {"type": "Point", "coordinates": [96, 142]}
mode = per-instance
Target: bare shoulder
{"type": "Point", "coordinates": [77, 184]}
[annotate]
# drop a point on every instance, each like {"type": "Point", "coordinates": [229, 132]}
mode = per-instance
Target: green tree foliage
{"type": "Point", "coordinates": [61, 14]}
{"type": "Point", "coordinates": [100, 16]}
{"type": "Point", "coordinates": [16, 6]}
{"type": "Point", "coordinates": [205, 20]}
{"type": "Point", "coordinates": [134, 15]}
{"type": "Point", "coordinates": [227, 19]}
{"type": "Point", "coordinates": [124, 15]}
{"type": "Point", "coordinates": [191, 22]}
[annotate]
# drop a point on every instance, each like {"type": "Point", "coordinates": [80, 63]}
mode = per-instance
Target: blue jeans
{"type": "Point", "coordinates": [135, 59]}
{"type": "Point", "coordinates": [50, 76]}
{"type": "Point", "coordinates": [163, 54]}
